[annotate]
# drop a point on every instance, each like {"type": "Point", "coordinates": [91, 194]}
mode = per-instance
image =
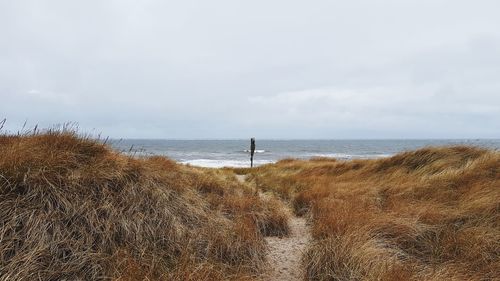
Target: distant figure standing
{"type": "Point", "coordinates": [252, 151]}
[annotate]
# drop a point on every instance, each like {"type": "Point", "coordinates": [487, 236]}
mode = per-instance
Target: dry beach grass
{"type": "Point", "coordinates": [72, 208]}
{"type": "Point", "coordinates": [430, 214]}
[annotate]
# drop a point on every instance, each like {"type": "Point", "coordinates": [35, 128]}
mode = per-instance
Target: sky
{"type": "Point", "coordinates": [278, 69]}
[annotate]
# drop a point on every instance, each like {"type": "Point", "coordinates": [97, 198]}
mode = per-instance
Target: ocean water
{"type": "Point", "coordinates": [234, 153]}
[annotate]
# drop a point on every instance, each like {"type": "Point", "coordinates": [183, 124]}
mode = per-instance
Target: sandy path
{"type": "Point", "coordinates": [285, 253]}
{"type": "Point", "coordinates": [241, 178]}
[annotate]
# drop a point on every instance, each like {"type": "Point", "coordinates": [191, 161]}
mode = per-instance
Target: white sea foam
{"type": "Point", "coordinates": [211, 163]}
{"type": "Point", "coordinates": [256, 151]}
{"type": "Point", "coordinates": [352, 156]}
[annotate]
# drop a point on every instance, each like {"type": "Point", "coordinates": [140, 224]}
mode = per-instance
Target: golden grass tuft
{"type": "Point", "coordinates": [429, 214]}
{"type": "Point", "coordinates": [72, 208]}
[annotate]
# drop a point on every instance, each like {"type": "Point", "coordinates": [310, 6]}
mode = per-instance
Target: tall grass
{"type": "Point", "coordinates": [72, 208]}
{"type": "Point", "coordinates": [430, 214]}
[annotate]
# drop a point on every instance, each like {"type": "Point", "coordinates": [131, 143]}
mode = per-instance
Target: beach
{"type": "Point", "coordinates": [73, 207]}
{"type": "Point", "coordinates": [235, 153]}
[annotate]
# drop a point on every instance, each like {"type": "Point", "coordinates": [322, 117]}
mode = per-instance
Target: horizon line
{"type": "Point", "coordinates": [297, 139]}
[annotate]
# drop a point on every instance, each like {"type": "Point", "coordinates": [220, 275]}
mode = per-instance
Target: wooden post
{"type": "Point", "coordinates": [252, 151]}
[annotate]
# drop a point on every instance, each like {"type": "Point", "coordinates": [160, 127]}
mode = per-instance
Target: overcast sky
{"type": "Point", "coordinates": [269, 69]}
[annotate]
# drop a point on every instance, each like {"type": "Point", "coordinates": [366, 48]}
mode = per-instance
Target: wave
{"type": "Point", "coordinates": [346, 156]}
{"type": "Point", "coordinates": [256, 151]}
{"type": "Point", "coordinates": [218, 163]}
{"type": "Point", "coordinates": [211, 163]}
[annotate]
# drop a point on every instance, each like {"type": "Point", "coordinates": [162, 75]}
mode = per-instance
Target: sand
{"type": "Point", "coordinates": [285, 253]}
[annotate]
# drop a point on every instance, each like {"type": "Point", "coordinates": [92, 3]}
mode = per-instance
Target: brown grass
{"type": "Point", "coordinates": [72, 208]}
{"type": "Point", "coordinates": [430, 214]}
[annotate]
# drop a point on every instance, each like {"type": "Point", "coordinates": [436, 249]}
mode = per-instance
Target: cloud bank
{"type": "Point", "coordinates": [270, 69]}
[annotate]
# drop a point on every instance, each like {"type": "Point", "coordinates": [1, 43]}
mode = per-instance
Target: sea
{"type": "Point", "coordinates": [235, 153]}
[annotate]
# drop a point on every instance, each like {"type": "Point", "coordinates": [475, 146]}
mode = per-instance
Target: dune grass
{"type": "Point", "coordinates": [72, 208]}
{"type": "Point", "coordinates": [430, 214]}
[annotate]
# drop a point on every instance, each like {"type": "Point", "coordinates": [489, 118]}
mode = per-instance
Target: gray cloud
{"type": "Point", "coordinates": [275, 69]}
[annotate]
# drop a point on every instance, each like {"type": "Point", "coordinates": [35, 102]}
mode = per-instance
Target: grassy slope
{"type": "Point", "coordinates": [71, 208]}
{"type": "Point", "coordinates": [431, 214]}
